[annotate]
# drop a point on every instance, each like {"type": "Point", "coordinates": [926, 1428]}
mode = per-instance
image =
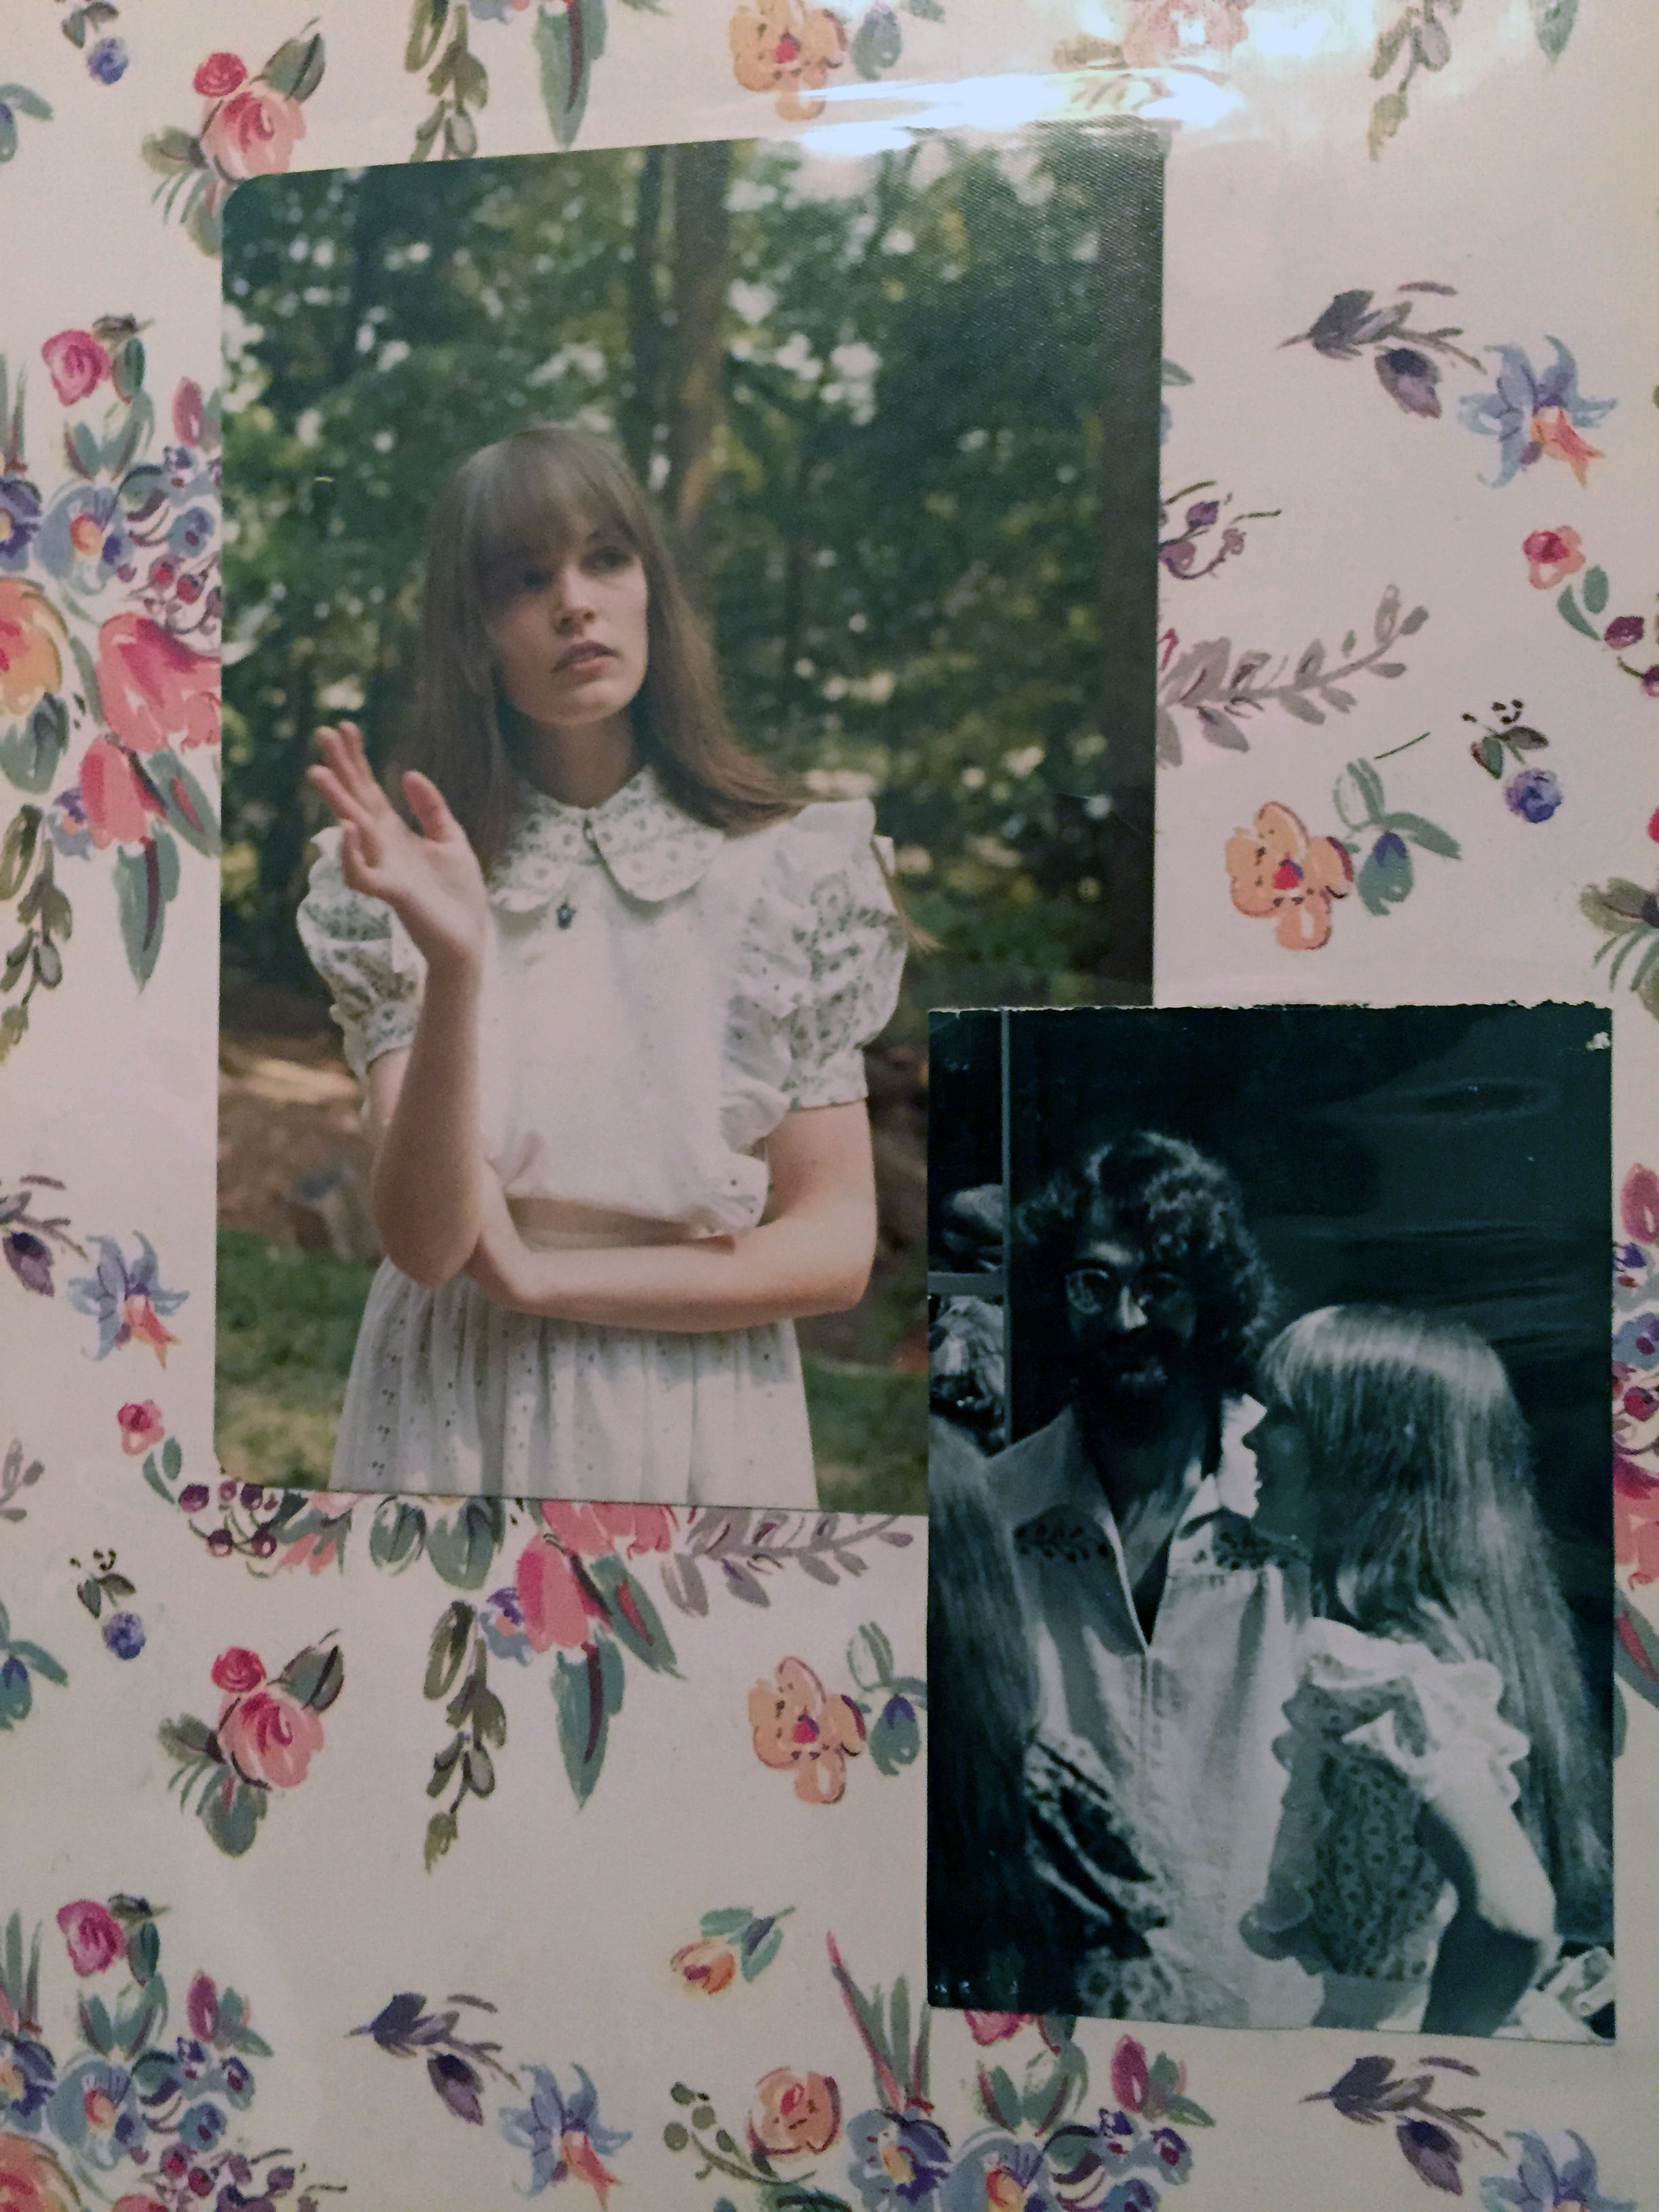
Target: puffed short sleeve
{"type": "Point", "coordinates": [1433, 1721]}
{"type": "Point", "coordinates": [363, 953]}
{"type": "Point", "coordinates": [820, 963]}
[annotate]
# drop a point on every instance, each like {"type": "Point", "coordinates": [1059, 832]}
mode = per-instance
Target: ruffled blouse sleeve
{"type": "Point", "coordinates": [365, 955]}
{"type": "Point", "coordinates": [821, 959]}
{"type": "Point", "coordinates": [1433, 1721]}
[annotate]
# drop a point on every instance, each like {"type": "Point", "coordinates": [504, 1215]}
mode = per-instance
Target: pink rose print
{"type": "Point", "coordinates": [238, 1670]}
{"type": "Point", "coordinates": [588, 1532]}
{"type": "Point", "coordinates": [77, 363]}
{"type": "Point", "coordinates": [988, 2027]}
{"type": "Point", "coordinates": [1130, 2075]}
{"type": "Point", "coordinates": [142, 1427]}
{"type": "Point", "coordinates": [709, 1965]}
{"type": "Point", "coordinates": [202, 2007]}
{"type": "Point", "coordinates": [794, 2113]}
{"type": "Point", "coordinates": [1174, 30]}
{"type": "Point", "coordinates": [269, 1737]}
{"type": "Point", "coordinates": [118, 798]}
{"type": "Point", "coordinates": [797, 1724]}
{"type": "Point", "coordinates": [93, 1936]}
{"type": "Point", "coordinates": [32, 2180]}
{"type": "Point", "coordinates": [1553, 556]}
{"type": "Point", "coordinates": [219, 75]}
{"type": "Point", "coordinates": [558, 1598]}
{"type": "Point", "coordinates": [157, 692]}
{"type": "Point", "coordinates": [253, 134]}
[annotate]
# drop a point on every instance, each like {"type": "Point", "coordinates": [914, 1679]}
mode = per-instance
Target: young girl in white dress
{"type": "Point", "coordinates": [607, 997]}
{"type": "Point", "coordinates": [1445, 1816]}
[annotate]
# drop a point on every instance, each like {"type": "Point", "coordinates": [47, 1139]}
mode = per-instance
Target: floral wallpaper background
{"type": "Point", "coordinates": [395, 1854]}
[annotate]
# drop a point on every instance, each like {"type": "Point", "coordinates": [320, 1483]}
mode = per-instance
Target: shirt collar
{"type": "Point", "coordinates": [652, 848]}
{"type": "Point", "coordinates": [1053, 1495]}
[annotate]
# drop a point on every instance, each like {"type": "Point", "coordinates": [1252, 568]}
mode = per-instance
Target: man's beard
{"type": "Point", "coordinates": [1127, 1387]}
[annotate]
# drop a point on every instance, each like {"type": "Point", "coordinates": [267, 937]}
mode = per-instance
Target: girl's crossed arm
{"type": "Point", "coordinates": [812, 1255]}
{"type": "Point", "coordinates": [1502, 1933]}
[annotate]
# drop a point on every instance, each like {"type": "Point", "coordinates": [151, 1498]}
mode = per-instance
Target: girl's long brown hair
{"type": "Point", "coordinates": [1416, 1439]}
{"type": "Point", "coordinates": [509, 506]}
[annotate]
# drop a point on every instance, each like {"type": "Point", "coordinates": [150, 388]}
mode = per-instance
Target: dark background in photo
{"type": "Point", "coordinates": [1455, 1159]}
{"type": "Point", "coordinates": [928, 548]}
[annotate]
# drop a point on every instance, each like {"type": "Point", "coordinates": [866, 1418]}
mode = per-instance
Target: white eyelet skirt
{"type": "Point", "coordinates": [452, 1395]}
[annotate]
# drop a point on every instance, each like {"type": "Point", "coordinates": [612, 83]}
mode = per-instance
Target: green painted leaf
{"type": "Point", "coordinates": [295, 70]}
{"type": "Point", "coordinates": [447, 1649]}
{"type": "Point", "coordinates": [17, 848]}
{"type": "Point", "coordinates": [463, 1545]}
{"type": "Point", "coordinates": [1568, 607]}
{"type": "Point", "coordinates": [568, 41]}
{"type": "Point", "coordinates": [1489, 752]}
{"type": "Point", "coordinates": [1186, 2114]}
{"type": "Point", "coordinates": [895, 1737]}
{"type": "Point", "coordinates": [190, 811]}
{"type": "Point", "coordinates": [755, 1961]}
{"type": "Point", "coordinates": [877, 42]}
{"type": "Point", "coordinates": [144, 1950]}
{"type": "Point", "coordinates": [96, 2026]}
{"type": "Point", "coordinates": [27, 102]}
{"type": "Point", "coordinates": [1553, 21]}
{"type": "Point", "coordinates": [1635, 1649]}
{"type": "Point", "coordinates": [440, 1834]}
{"type": "Point", "coordinates": [172, 1459]}
{"type": "Point", "coordinates": [1386, 874]}
{"type": "Point", "coordinates": [587, 1692]}
{"type": "Point", "coordinates": [634, 1620]}
{"type": "Point", "coordinates": [734, 1920]}
{"type": "Point", "coordinates": [316, 1677]}
{"type": "Point", "coordinates": [145, 881]}
{"type": "Point", "coordinates": [1428, 835]}
{"type": "Point", "coordinates": [397, 1535]}
{"type": "Point", "coordinates": [1596, 590]}
{"type": "Point", "coordinates": [427, 19]}
{"type": "Point", "coordinates": [231, 1813]}
{"type": "Point", "coordinates": [31, 749]}
{"type": "Point", "coordinates": [1387, 116]}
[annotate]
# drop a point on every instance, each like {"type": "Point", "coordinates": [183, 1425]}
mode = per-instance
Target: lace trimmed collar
{"type": "Point", "coordinates": [653, 849]}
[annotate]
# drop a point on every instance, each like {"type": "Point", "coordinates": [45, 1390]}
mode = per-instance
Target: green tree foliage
{"type": "Point", "coordinates": [873, 399]}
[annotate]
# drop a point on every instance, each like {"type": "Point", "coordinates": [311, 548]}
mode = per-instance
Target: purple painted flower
{"type": "Point", "coordinates": [127, 1302]}
{"type": "Point", "coordinates": [83, 537]}
{"type": "Point", "coordinates": [29, 1260]}
{"type": "Point", "coordinates": [1534, 795]}
{"type": "Point", "coordinates": [1203, 515]}
{"type": "Point", "coordinates": [898, 2158]}
{"type": "Point", "coordinates": [194, 1498]}
{"type": "Point", "coordinates": [67, 824]}
{"type": "Point", "coordinates": [1531, 412]}
{"type": "Point", "coordinates": [502, 1618]}
{"type": "Point", "coordinates": [1650, 681]}
{"type": "Point", "coordinates": [1410, 379]}
{"type": "Point", "coordinates": [1623, 630]}
{"type": "Point", "coordinates": [191, 532]}
{"type": "Point", "coordinates": [20, 518]}
{"type": "Point", "coordinates": [1539, 2184]}
{"type": "Point", "coordinates": [1432, 2153]}
{"type": "Point", "coordinates": [27, 2079]}
{"type": "Point", "coordinates": [124, 1635]}
{"type": "Point", "coordinates": [200, 2127]}
{"type": "Point", "coordinates": [107, 61]}
{"type": "Point", "coordinates": [457, 2084]}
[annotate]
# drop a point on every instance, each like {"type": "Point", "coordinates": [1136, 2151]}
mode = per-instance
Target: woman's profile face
{"type": "Point", "coordinates": [571, 637]}
{"type": "Point", "coordinates": [1287, 1503]}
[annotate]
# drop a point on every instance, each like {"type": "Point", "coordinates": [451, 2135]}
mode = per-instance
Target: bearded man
{"type": "Point", "coordinates": [1162, 1628]}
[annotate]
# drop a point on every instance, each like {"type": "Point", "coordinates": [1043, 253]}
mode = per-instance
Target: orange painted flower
{"type": "Point", "coordinates": [796, 1723]}
{"type": "Point", "coordinates": [145, 1326]}
{"type": "Point", "coordinates": [1552, 429]}
{"type": "Point", "coordinates": [709, 1965]}
{"type": "Point", "coordinates": [31, 647]}
{"type": "Point", "coordinates": [1277, 869]}
{"type": "Point", "coordinates": [786, 47]}
{"type": "Point", "coordinates": [794, 2112]}
{"type": "Point", "coordinates": [253, 133]}
{"type": "Point", "coordinates": [1553, 556]}
{"type": "Point", "coordinates": [30, 2179]}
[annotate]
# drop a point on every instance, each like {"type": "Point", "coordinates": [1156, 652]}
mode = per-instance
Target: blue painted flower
{"type": "Point", "coordinates": [200, 2127]}
{"type": "Point", "coordinates": [95, 2112]}
{"type": "Point", "coordinates": [1636, 1342]}
{"type": "Point", "coordinates": [124, 1635]}
{"type": "Point", "coordinates": [27, 2079]}
{"type": "Point", "coordinates": [502, 1618]}
{"type": "Point", "coordinates": [20, 518]}
{"type": "Point", "coordinates": [67, 824]}
{"type": "Point", "coordinates": [1533, 412]}
{"type": "Point", "coordinates": [1136, 2195]}
{"type": "Point", "coordinates": [995, 2170]}
{"type": "Point", "coordinates": [17, 1691]}
{"type": "Point", "coordinates": [1539, 2184]}
{"type": "Point", "coordinates": [107, 61]}
{"type": "Point", "coordinates": [897, 2159]}
{"type": "Point", "coordinates": [126, 1301]}
{"type": "Point", "coordinates": [191, 532]}
{"type": "Point", "coordinates": [563, 2135]}
{"type": "Point", "coordinates": [1534, 795]}
{"type": "Point", "coordinates": [83, 538]}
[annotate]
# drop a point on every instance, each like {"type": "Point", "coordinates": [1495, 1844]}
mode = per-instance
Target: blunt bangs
{"type": "Point", "coordinates": [525, 498]}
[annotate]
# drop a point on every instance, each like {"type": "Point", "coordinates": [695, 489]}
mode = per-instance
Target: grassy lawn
{"type": "Point", "coordinates": [287, 1320]}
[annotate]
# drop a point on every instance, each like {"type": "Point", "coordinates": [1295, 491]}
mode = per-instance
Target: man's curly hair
{"type": "Point", "coordinates": [1185, 1212]}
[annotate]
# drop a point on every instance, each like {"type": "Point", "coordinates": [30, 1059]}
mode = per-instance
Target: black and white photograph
{"type": "Point", "coordinates": [1271, 1564]}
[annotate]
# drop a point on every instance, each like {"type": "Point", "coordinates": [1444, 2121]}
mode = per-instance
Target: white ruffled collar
{"type": "Point", "coordinates": [653, 848]}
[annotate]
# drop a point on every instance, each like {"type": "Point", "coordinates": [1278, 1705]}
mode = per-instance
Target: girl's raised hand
{"type": "Point", "coordinates": [429, 878]}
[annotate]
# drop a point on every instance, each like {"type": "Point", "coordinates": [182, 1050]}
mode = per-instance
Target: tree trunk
{"type": "Point", "coordinates": [648, 332]}
{"type": "Point", "coordinates": [701, 254]}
